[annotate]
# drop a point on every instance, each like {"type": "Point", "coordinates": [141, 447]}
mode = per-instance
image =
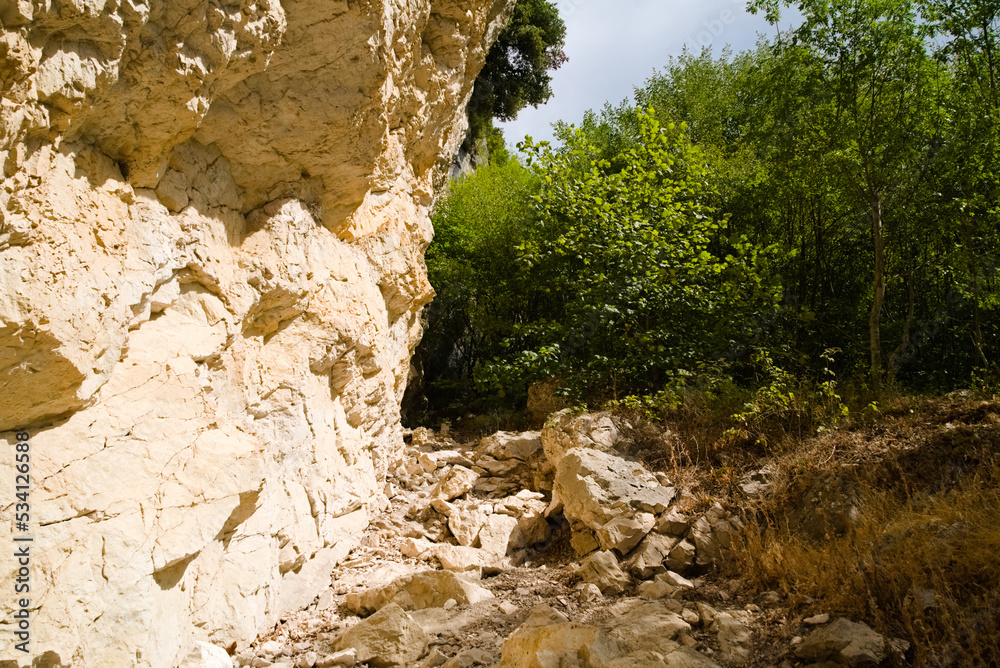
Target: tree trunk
{"type": "Point", "coordinates": [904, 340]}
{"type": "Point", "coordinates": [878, 296]}
{"type": "Point", "coordinates": [977, 330]}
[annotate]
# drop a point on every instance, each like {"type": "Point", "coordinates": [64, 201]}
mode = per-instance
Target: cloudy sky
{"type": "Point", "coordinates": [614, 45]}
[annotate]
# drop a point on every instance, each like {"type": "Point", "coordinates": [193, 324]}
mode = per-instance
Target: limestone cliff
{"type": "Point", "coordinates": [212, 225]}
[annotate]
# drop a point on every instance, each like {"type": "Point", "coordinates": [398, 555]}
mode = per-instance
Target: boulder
{"type": "Point", "coordinates": [621, 534]}
{"type": "Point", "coordinates": [505, 445]}
{"type": "Point", "coordinates": [602, 569]}
{"type": "Point", "coordinates": [595, 488]}
{"type": "Point", "coordinates": [646, 560]}
{"type": "Point", "coordinates": [567, 430]}
{"type": "Point", "coordinates": [843, 641]}
{"type": "Point", "coordinates": [734, 639]}
{"type": "Point", "coordinates": [457, 482]}
{"type": "Point", "coordinates": [429, 589]}
{"type": "Point", "coordinates": [551, 645]}
{"type": "Point", "coordinates": [206, 655]}
{"type": "Point", "coordinates": [388, 638]}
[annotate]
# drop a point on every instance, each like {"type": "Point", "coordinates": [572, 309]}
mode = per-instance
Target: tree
{"type": "Point", "coordinates": [639, 278]}
{"type": "Point", "coordinates": [516, 73]}
{"type": "Point", "coordinates": [478, 226]}
{"type": "Point", "coordinates": [971, 180]}
{"type": "Point", "coordinates": [879, 94]}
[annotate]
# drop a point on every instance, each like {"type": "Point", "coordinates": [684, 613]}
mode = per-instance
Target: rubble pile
{"type": "Point", "coordinates": [543, 549]}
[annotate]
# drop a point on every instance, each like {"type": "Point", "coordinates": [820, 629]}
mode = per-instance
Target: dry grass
{"type": "Point", "coordinates": [918, 556]}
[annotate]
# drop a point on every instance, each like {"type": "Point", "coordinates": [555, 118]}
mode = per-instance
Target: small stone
{"type": "Point", "coordinates": [434, 659]}
{"type": "Point", "coordinates": [465, 526]}
{"type": "Point", "coordinates": [686, 640]}
{"type": "Point", "coordinates": [522, 591]}
{"type": "Point", "coordinates": [673, 524]}
{"type": "Point", "coordinates": [646, 560]}
{"type": "Point", "coordinates": [457, 482]}
{"type": "Point", "coordinates": [414, 547]}
{"type": "Point", "coordinates": [601, 569]}
{"type": "Point", "coordinates": [681, 557]}
{"type": "Point", "coordinates": [690, 616]}
{"type": "Point", "coordinates": [443, 507]}
{"type": "Point", "coordinates": [590, 592]}
{"type": "Point", "coordinates": [271, 648]}
{"type": "Point", "coordinates": [387, 638]}
{"type": "Point", "coordinates": [707, 613]}
{"type": "Point", "coordinates": [655, 590]}
{"type": "Point", "coordinates": [734, 639]}
{"type": "Point", "coordinates": [622, 534]}
{"type": "Point", "coordinates": [844, 641]}
{"type": "Point", "coordinates": [347, 657]}
{"type": "Point", "coordinates": [676, 580]}
{"type": "Point", "coordinates": [495, 535]}
{"type": "Point", "coordinates": [817, 620]}
{"type": "Point", "coordinates": [428, 462]}
{"type": "Point", "coordinates": [508, 608]}
{"type": "Point", "coordinates": [449, 604]}
{"type": "Point", "coordinates": [307, 660]}
{"type": "Point", "coordinates": [206, 655]}
{"type": "Point", "coordinates": [463, 559]}
{"type": "Point", "coordinates": [545, 615]}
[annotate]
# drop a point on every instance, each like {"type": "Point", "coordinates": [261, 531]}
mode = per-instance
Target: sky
{"type": "Point", "coordinates": [615, 45]}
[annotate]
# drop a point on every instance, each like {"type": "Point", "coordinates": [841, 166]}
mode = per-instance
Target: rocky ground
{"type": "Point", "coordinates": [548, 549]}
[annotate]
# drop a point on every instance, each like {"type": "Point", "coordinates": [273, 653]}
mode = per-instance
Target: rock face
{"type": "Point", "coordinates": [212, 224]}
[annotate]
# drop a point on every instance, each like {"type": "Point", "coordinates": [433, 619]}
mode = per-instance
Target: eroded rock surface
{"type": "Point", "coordinates": [212, 224]}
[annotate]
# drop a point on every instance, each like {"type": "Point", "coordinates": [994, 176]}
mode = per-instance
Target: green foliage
{"type": "Point", "coordinates": [784, 404]}
{"type": "Point", "coordinates": [478, 227]}
{"type": "Point", "coordinates": [834, 188]}
{"type": "Point", "coordinates": [638, 274]}
{"type": "Point", "coordinates": [516, 73]}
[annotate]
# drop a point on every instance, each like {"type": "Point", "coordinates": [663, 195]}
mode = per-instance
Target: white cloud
{"type": "Point", "coordinates": [614, 46]}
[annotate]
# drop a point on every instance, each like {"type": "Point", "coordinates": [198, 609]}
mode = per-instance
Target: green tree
{"type": "Point", "coordinates": [478, 226]}
{"type": "Point", "coordinates": [638, 275]}
{"type": "Point", "coordinates": [970, 175]}
{"type": "Point", "coordinates": [517, 69]}
{"type": "Point", "coordinates": [878, 94]}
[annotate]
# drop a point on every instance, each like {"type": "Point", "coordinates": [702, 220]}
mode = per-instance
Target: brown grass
{"type": "Point", "coordinates": [920, 556]}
